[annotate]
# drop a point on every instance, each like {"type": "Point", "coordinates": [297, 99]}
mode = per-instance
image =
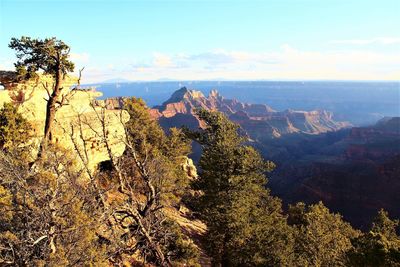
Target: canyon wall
{"type": "Point", "coordinates": [260, 121]}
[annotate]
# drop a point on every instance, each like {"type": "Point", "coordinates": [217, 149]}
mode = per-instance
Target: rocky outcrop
{"type": "Point", "coordinates": [187, 101]}
{"type": "Point", "coordinates": [189, 168]}
{"type": "Point", "coordinates": [258, 120]}
{"type": "Point", "coordinates": [113, 103]}
{"type": "Point", "coordinates": [78, 123]}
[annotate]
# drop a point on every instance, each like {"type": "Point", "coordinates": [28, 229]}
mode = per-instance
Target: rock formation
{"type": "Point", "coordinates": [189, 168]}
{"type": "Point", "coordinates": [78, 122]}
{"type": "Point", "coordinates": [258, 120]}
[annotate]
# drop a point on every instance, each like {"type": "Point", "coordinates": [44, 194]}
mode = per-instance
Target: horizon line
{"type": "Point", "coordinates": [226, 80]}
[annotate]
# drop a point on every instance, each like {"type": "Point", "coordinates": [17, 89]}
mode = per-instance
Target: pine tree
{"type": "Point", "coordinates": [321, 237]}
{"type": "Point", "coordinates": [245, 223]}
{"type": "Point", "coordinates": [378, 247]}
{"type": "Point", "coordinates": [160, 153]}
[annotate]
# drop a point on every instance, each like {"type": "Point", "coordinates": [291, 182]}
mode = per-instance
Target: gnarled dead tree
{"type": "Point", "coordinates": [137, 186]}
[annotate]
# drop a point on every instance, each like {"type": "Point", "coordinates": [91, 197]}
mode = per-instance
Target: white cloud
{"type": "Point", "coordinates": [79, 57]}
{"type": "Point", "coordinates": [223, 57]}
{"type": "Point", "coordinates": [162, 60]}
{"type": "Point", "coordinates": [287, 62]}
{"type": "Point", "coordinates": [379, 40]}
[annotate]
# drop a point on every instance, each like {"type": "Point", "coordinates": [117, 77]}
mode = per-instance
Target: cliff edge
{"type": "Point", "coordinates": [78, 124]}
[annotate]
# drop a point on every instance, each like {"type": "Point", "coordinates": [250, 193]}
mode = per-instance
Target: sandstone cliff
{"type": "Point", "coordinates": [78, 123]}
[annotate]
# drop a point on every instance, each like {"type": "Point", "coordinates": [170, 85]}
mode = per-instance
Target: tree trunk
{"type": "Point", "coordinates": [50, 116]}
{"type": "Point", "coordinates": [51, 112]}
{"type": "Point", "coordinates": [161, 261]}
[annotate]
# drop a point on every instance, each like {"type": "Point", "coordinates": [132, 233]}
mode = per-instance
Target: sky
{"type": "Point", "coordinates": [215, 40]}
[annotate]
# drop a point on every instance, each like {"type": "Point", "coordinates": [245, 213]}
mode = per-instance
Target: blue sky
{"type": "Point", "coordinates": [235, 40]}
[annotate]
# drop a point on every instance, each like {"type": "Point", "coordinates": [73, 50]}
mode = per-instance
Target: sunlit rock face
{"type": "Point", "coordinates": [260, 121]}
{"type": "Point", "coordinates": [78, 123]}
{"type": "Point", "coordinates": [189, 168]}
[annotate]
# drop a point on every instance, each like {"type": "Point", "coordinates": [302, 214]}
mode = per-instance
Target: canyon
{"type": "Point", "coordinates": [259, 121]}
{"type": "Point", "coordinates": [353, 170]}
{"type": "Point", "coordinates": [356, 173]}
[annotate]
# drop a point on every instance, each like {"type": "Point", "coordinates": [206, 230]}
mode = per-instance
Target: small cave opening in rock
{"type": "Point", "coordinates": [105, 166]}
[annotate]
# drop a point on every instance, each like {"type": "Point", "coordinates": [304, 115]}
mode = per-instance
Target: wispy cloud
{"type": "Point", "coordinates": [287, 62]}
{"type": "Point", "coordinates": [79, 57]}
{"type": "Point", "coordinates": [209, 60]}
{"type": "Point", "coordinates": [223, 57]}
{"type": "Point", "coordinates": [379, 40]}
{"type": "Point", "coordinates": [162, 60]}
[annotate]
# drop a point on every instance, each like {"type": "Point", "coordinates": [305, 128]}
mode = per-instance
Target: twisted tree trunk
{"type": "Point", "coordinates": [51, 112]}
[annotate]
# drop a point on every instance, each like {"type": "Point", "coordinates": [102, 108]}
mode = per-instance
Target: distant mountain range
{"type": "Point", "coordinates": [360, 103]}
{"type": "Point", "coordinates": [258, 120]}
{"type": "Point", "coordinates": [116, 80]}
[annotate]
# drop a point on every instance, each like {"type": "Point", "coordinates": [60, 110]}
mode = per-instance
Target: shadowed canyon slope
{"type": "Point", "coordinates": [354, 171]}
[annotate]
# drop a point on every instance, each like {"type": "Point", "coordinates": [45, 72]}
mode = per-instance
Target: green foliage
{"type": "Point", "coordinates": [49, 55]}
{"type": "Point", "coordinates": [177, 245]}
{"type": "Point", "coordinates": [245, 224]}
{"type": "Point", "coordinates": [163, 154]}
{"type": "Point", "coordinates": [384, 225]}
{"type": "Point", "coordinates": [14, 129]}
{"type": "Point", "coordinates": [145, 133]}
{"type": "Point", "coordinates": [321, 238]}
{"type": "Point", "coordinates": [49, 218]}
{"type": "Point", "coordinates": [379, 247]}
{"type": "Point", "coordinates": [150, 181]}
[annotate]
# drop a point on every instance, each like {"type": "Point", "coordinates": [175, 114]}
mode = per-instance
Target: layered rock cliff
{"type": "Point", "coordinates": [258, 120]}
{"type": "Point", "coordinates": [78, 123]}
{"type": "Point", "coordinates": [376, 142]}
